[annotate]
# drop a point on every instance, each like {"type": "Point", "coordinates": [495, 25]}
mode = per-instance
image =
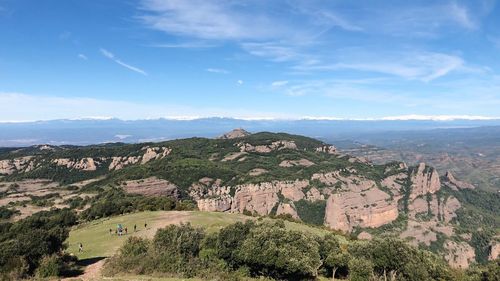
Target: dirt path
{"type": "Point", "coordinates": [93, 271]}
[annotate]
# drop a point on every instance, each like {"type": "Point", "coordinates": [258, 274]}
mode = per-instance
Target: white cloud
{"type": "Point", "coordinates": [107, 53]}
{"type": "Point", "coordinates": [83, 57]}
{"type": "Point", "coordinates": [278, 52]}
{"type": "Point", "coordinates": [112, 57]}
{"type": "Point", "coordinates": [217, 70]}
{"type": "Point", "coordinates": [279, 83]}
{"type": "Point", "coordinates": [122, 137]}
{"type": "Point", "coordinates": [240, 20]}
{"type": "Point", "coordinates": [239, 82]}
{"type": "Point", "coordinates": [184, 45]}
{"type": "Point", "coordinates": [424, 66]}
{"type": "Point", "coordinates": [460, 14]}
{"type": "Point", "coordinates": [204, 19]}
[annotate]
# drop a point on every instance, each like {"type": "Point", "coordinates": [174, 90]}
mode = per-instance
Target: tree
{"type": "Point", "coordinates": [337, 260]}
{"type": "Point", "coordinates": [360, 269]}
{"type": "Point", "coordinates": [230, 239]}
{"type": "Point", "coordinates": [271, 250]}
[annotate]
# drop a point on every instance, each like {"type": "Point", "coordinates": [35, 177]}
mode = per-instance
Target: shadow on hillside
{"type": "Point", "coordinates": [89, 261]}
{"type": "Point", "coordinates": [79, 267]}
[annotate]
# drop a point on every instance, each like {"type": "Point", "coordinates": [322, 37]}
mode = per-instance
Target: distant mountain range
{"type": "Point", "coordinates": [92, 131]}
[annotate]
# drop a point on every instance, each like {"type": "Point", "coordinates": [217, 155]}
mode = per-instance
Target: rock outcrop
{"type": "Point", "coordinates": [455, 184]}
{"type": "Point", "coordinates": [424, 180]}
{"type": "Point", "coordinates": [118, 163]}
{"type": "Point", "coordinates": [364, 208]}
{"type": "Point", "coordinates": [292, 163]}
{"type": "Point", "coordinates": [84, 164]}
{"type": "Point", "coordinates": [459, 254]}
{"type": "Point", "coordinates": [153, 153]}
{"type": "Point", "coordinates": [330, 149]}
{"type": "Point", "coordinates": [277, 145]}
{"type": "Point", "coordinates": [365, 236]}
{"type": "Point", "coordinates": [21, 164]}
{"type": "Point", "coordinates": [151, 187]}
{"type": "Point", "coordinates": [494, 250]}
{"type": "Point", "coordinates": [287, 209]}
{"type": "Point", "coordinates": [234, 134]}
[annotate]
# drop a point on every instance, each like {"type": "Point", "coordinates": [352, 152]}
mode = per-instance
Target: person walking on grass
{"type": "Point", "coordinates": [110, 231]}
{"type": "Point", "coordinates": [126, 231]}
{"type": "Point", "coordinates": [135, 227]}
{"type": "Point", "coordinates": [80, 248]}
{"type": "Point", "coordinates": [145, 225]}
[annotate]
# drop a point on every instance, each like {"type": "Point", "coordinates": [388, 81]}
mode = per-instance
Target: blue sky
{"type": "Point", "coordinates": [249, 59]}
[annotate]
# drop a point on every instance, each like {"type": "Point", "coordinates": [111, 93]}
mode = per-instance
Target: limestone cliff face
{"type": "Point", "coordinates": [459, 255]}
{"type": "Point", "coordinates": [234, 134]}
{"type": "Point", "coordinates": [424, 180]}
{"type": "Point", "coordinates": [287, 209]}
{"type": "Point", "coordinates": [262, 197]}
{"type": "Point", "coordinates": [118, 163]}
{"type": "Point", "coordinates": [455, 184]}
{"type": "Point", "coordinates": [21, 164]}
{"type": "Point", "coordinates": [222, 203]}
{"type": "Point", "coordinates": [364, 208]}
{"type": "Point", "coordinates": [84, 164]}
{"type": "Point", "coordinates": [277, 145]}
{"type": "Point", "coordinates": [152, 153]}
{"type": "Point", "coordinates": [151, 187]}
{"type": "Point", "coordinates": [494, 250]}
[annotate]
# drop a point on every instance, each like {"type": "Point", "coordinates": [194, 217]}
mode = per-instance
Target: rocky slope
{"type": "Point", "coordinates": [275, 175]}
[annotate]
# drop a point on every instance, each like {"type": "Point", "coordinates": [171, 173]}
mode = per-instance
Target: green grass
{"type": "Point", "coordinates": [97, 242]}
{"type": "Point", "coordinates": [95, 237]}
{"type": "Point", "coordinates": [147, 278]}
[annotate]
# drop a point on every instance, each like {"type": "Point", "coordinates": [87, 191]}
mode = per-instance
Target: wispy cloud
{"type": "Point", "coordinates": [239, 82]}
{"type": "Point", "coordinates": [184, 45]}
{"type": "Point", "coordinates": [240, 20]}
{"type": "Point", "coordinates": [203, 19]}
{"type": "Point", "coordinates": [112, 57]}
{"type": "Point", "coordinates": [279, 83]}
{"type": "Point", "coordinates": [83, 57]}
{"type": "Point", "coordinates": [217, 70]}
{"type": "Point", "coordinates": [424, 66]}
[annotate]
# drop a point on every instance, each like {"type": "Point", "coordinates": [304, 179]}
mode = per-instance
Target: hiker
{"type": "Point", "coordinates": [110, 231]}
{"type": "Point", "coordinates": [80, 248]}
{"type": "Point", "coordinates": [135, 227]}
{"type": "Point", "coordinates": [145, 225]}
{"type": "Point", "coordinates": [126, 231]}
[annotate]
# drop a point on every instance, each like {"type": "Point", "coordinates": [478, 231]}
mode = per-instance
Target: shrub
{"type": "Point", "coordinates": [360, 269]}
{"type": "Point", "coordinates": [271, 250]}
{"type": "Point", "coordinates": [50, 266]}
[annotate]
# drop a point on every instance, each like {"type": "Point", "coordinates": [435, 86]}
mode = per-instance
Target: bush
{"type": "Point", "coordinates": [50, 266]}
{"type": "Point", "coordinates": [25, 243]}
{"type": "Point", "coordinates": [6, 213]}
{"type": "Point", "coordinates": [360, 269]}
{"type": "Point", "coordinates": [271, 250]}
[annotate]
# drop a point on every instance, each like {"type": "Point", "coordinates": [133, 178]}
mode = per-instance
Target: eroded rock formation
{"type": "Point", "coordinates": [151, 187]}
{"type": "Point", "coordinates": [424, 180]}
{"type": "Point", "coordinates": [459, 254]}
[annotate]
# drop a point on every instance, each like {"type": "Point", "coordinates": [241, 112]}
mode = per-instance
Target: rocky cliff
{"type": "Point", "coordinates": [270, 175]}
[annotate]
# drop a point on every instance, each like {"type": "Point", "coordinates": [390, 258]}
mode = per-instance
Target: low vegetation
{"type": "Point", "coordinates": [268, 249]}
